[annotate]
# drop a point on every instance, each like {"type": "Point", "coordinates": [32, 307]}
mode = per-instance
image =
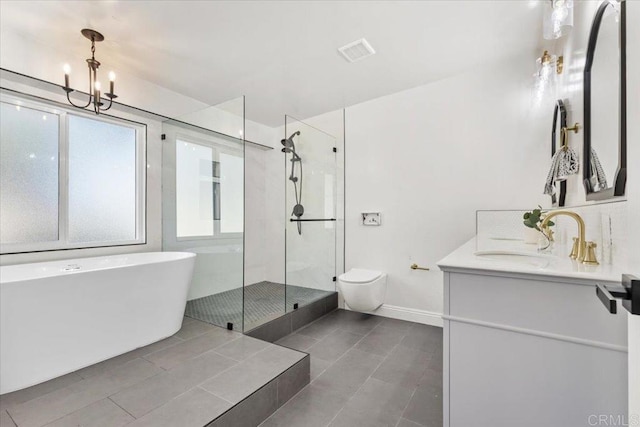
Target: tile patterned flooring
{"type": "Point", "coordinates": [185, 380]}
{"type": "Point", "coordinates": [366, 371]}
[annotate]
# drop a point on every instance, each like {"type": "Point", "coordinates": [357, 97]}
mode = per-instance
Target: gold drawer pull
{"type": "Point", "coordinates": [415, 267]}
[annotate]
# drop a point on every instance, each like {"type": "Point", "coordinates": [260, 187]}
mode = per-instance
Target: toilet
{"type": "Point", "coordinates": [363, 290]}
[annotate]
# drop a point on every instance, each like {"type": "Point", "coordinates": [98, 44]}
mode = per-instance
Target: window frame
{"type": "Point", "coordinates": [217, 146]}
{"type": "Point", "coordinates": [63, 113]}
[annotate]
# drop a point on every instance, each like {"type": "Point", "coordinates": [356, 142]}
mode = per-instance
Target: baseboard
{"type": "Point", "coordinates": [409, 314]}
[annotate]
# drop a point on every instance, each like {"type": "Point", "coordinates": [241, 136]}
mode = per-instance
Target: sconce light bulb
{"type": "Point", "coordinates": [66, 68]}
{"type": "Point", "coordinates": [98, 86]}
{"type": "Point", "coordinates": [112, 76]}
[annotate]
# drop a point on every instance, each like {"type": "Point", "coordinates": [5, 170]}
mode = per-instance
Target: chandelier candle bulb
{"type": "Point", "coordinates": [112, 80]}
{"type": "Point", "coordinates": [97, 93]}
{"type": "Point", "coordinates": [67, 70]}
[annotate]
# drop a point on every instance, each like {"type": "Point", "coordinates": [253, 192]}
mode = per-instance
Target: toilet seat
{"type": "Point", "coordinates": [360, 275]}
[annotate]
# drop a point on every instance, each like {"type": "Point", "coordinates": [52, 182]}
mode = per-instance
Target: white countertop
{"type": "Point", "coordinates": [555, 263]}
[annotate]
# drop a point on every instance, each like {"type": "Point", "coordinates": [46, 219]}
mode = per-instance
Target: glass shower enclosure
{"type": "Point", "coordinates": [203, 190]}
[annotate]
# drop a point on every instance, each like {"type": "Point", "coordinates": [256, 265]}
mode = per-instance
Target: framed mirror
{"type": "Point", "coordinates": [559, 122]}
{"type": "Point", "coordinates": [604, 167]}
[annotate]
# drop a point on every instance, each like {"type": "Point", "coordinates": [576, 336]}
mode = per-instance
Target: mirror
{"type": "Point", "coordinates": [604, 168]}
{"type": "Point", "coordinates": [559, 122]}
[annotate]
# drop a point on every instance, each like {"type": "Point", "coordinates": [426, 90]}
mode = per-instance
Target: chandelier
{"type": "Point", "coordinates": [95, 96]}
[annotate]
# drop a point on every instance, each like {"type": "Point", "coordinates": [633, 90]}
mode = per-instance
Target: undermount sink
{"type": "Point", "coordinates": [517, 257]}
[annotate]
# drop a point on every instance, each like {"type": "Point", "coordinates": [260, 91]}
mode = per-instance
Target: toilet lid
{"type": "Point", "coordinates": [359, 275]}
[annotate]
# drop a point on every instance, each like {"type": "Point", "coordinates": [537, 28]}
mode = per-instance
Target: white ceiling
{"type": "Point", "coordinates": [283, 54]}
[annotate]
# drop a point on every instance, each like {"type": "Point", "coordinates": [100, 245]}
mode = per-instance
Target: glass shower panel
{"type": "Point", "coordinates": [203, 207]}
{"type": "Point", "coordinates": [311, 174]}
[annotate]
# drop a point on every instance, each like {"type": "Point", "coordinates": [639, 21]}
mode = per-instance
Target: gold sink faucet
{"type": "Point", "coordinates": [582, 251]}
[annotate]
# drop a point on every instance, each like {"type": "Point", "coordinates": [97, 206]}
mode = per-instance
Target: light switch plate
{"type": "Point", "coordinates": [371, 218]}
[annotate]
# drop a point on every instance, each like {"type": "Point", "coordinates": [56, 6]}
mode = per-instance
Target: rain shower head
{"type": "Point", "coordinates": [288, 143]}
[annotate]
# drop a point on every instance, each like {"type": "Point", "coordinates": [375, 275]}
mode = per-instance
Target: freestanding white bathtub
{"type": "Point", "coordinates": [57, 317]}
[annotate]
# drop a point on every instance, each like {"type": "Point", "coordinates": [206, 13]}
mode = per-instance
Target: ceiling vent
{"type": "Point", "coordinates": [357, 50]}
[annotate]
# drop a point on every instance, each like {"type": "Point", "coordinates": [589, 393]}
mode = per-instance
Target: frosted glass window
{"type": "Point", "coordinates": [194, 189]}
{"type": "Point", "coordinates": [28, 175]}
{"type": "Point", "coordinates": [231, 193]}
{"type": "Point", "coordinates": [102, 181]}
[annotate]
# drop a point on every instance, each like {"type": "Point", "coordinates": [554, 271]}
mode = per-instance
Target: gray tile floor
{"type": "Point", "coordinates": [185, 380]}
{"type": "Point", "coordinates": [366, 371]}
{"type": "Point", "coordinates": [263, 301]}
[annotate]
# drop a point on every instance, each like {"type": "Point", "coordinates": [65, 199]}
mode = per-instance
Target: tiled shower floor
{"type": "Point", "coordinates": [186, 380]}
{"type": "Point", "coordinates": [366, 371]}
{"type": "Point", "coordinates": [263, 301]}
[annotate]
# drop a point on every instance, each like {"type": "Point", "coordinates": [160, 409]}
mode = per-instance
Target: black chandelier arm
{"type": "Point", "coordinates": [77, 106]}
{"type": "Point", "coordinates": [110, 104]}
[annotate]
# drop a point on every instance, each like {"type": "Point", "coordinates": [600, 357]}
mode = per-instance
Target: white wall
{"type": "Point", "coordinates": [427, 159]}
{"type": "Point", "coordinates": [228, 118]}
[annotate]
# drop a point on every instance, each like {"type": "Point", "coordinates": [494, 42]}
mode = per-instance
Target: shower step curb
{"type": "Point", "coordinates": [258, 406]}
{"type": "Point", "coordinates": [282, 326]}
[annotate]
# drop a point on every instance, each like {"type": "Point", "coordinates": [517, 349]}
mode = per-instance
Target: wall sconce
{"type": "Point", "coordinates": [558, 18]}
{"type": "Point", "coordinates": [94, 84]}
{"type": "Point", "coordinates": [548, 67]}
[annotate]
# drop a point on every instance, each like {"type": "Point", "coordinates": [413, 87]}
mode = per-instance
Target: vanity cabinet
{"type": "Point", "coordinates": [530, 350]}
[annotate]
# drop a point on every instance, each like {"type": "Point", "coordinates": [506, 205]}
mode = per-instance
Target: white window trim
{"type": "Point", "coordinates": [63, 179]}
{"type": "Point", "coordinates": [218, 146]}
